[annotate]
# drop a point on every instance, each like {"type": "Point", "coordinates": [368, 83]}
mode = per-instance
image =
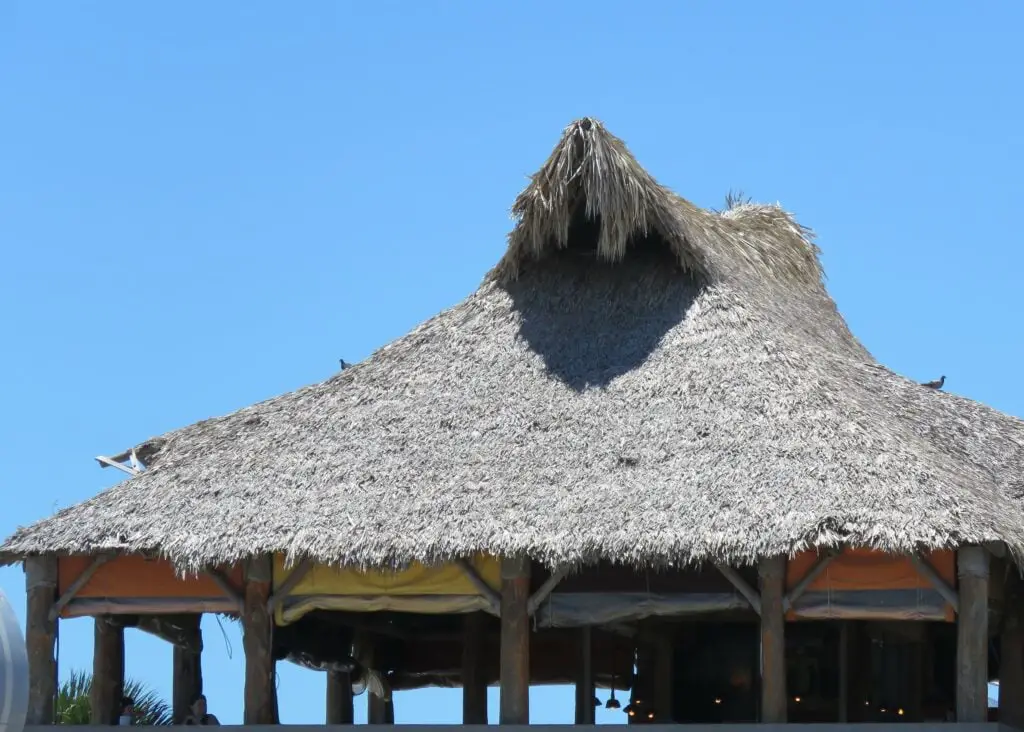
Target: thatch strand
{"type": "Point", "coordinates": [638, 380]}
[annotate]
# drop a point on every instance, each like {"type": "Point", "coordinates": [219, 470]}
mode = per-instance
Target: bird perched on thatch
{"type": "Point", "coordinates": [343, 364]}
{"type": "Point", "coordinates": [937, 384]}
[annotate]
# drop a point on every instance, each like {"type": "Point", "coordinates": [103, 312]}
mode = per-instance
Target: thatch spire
{"type": "Point", "coordinates": [588, 401]}
{"type": "Point", "coordinates": [592, 177]}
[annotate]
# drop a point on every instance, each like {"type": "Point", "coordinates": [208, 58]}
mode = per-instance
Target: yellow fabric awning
{"type": "Point", "coordinates": [418, 588]}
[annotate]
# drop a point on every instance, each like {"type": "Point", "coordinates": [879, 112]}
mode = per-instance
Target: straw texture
{"type": "Point", "coordinates": [638, 379]}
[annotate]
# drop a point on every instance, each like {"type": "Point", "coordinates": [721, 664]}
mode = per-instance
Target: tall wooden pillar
{"type": "Point", "coordinates": [474, 679]}
{"type": "Point", "coordinates": [41, 638]}
{"type": "Point", "coordinates": [585, 677]}
{"type": "Point", "coordinates": [972, 636]}
{"type": "Point", "coordinates": [257, 636]}
{"type": "Point", "coordinates": [1011, 651]}
{"type": "Point", "coordinates": [515, 641]}
{"type": "Point", "coordinates": [664, 677]}
{"type": "Point", "coordinates": [844, 672]}
{"type": "Point", "coordinates": [187, 672]}
{"type": "Point", "coordinates": [339, 698]}
{"type": "Point", "coordinates": [380, 711]}
{"type": "Point", "coordinates": [772, 571]}
{"type": "Point", "coordinates": [107, 671]}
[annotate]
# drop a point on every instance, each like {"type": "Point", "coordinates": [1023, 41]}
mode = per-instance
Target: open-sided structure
{"type": "Point", "coordinates": [645, 454]}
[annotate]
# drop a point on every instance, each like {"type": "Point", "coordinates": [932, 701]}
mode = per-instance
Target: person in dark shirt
{"type": "Point", "coordinates": [200, 715]}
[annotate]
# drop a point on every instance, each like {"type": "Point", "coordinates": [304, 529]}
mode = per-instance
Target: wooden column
{"type": "Point", "coordinates": [257, 630]}
{"type": "Point", "coordinates": [515, 641]}
{"type": "Point", "coordinates": [474, 679]}
{"type": "Point", "coordinates": [972, 636]}
{"type": "Point", "coordinates": [1011, 651]}
{"type": "Point", "coordinates": [339, 698]}
{"type": "Point", "coordinates": [187, 672]}
{"type": "Point", "coordinates": [844, 672]}
{"type": "Point", "coordinates": [107, 671]}
{"type": "Point", "coordinates": [41, 638]}
{"type": "Point", "coordinates": [664, 676]}
{"type": "Point", "coordinates": [379, 711]}
{"type": "Point", "coordinates": [585, 677]}
{"type": "Point", "coordinates": [772, 571]}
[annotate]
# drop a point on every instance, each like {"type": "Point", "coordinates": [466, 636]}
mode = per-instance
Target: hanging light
{"type": "Point", "coordinates": [597, 702]}
{"type": "Point", "coordinates": [630, 710]}
{"type": "Point", "coordinates": [612, 702]}
{"type": "Point", "coordinates": [650, 715]}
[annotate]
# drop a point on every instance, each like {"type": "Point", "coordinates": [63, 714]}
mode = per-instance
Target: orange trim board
{"type": "Point", "coordinates": [870, 570]}
{"type": "Point", "coordinates": [135, 577]}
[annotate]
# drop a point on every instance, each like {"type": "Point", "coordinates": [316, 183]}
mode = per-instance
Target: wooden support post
{"type": "Point", "coordinates": [772, 571]}
{"type": "Point", "coordinates": [107, 671]}
{"type": "Point", "coordinates": [844, 672]}
{"type": "Point", "coordinates": [379, 712]}
{"type": "Point", "coordinates": [339, 698]}
{"type": "Point", "coordinates": [187, 673]}
{"type": "Point", "coordinates": [585, 678]}
{"type": "Point", "coordinates": [664, 675]}
{"type": "Point", "coordinates": [257, 630]}
{"type": "Point", "coordinates": [972, 636]}
{"type": "Point", "coordinates": [474, 680]}
{"type": "Point", "coordinates": [41, 638]}
{"type": "Point", "coordinates": [515, 641]}
{"type": "Point", "coordinates": [1011, 656]}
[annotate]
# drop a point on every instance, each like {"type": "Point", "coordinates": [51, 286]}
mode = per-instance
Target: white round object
{"type": "Point", "coordinates": [13, 671]}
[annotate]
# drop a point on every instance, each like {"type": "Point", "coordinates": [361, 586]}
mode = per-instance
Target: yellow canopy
{"type": "Point", "coordinates": [418, 589]}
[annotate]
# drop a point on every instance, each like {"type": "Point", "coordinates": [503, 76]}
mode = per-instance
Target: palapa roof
{"type": "Point", "coordinates": [638, 380]}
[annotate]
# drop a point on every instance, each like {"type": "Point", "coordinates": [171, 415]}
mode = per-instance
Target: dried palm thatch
{"type": "Point", "coordinates": [638, 379]}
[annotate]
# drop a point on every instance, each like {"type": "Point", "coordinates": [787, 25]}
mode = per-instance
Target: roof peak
{"type": "Point", "coordinates": [591, 186]}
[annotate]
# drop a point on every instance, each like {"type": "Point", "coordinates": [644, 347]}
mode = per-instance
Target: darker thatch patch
{"type": "Point", "coordinates": [638, 380]}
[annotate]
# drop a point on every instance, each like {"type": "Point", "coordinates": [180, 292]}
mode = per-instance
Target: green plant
{"type": "Point", "coordinates": [73, 702]}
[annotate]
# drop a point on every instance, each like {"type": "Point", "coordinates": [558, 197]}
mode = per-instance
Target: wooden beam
{"type": "Point", "coordinates": [187, 667]}
{"type": "Point", "coordinates": [972, 636]}
{"type": "Point", "coordinates": [107, 687]}
{"type": "Point", "coordinates": [1011, 647]}
{"type": "Point", "coordinates": [772, 571]}
{"type": "Point", "coordinates": [227, 588]}
{"type": "Point", "coordinates": [474, 679]}
{"type": "Point", "coordinates": [80, 582]}
{"type": "Point", "coordinates": [177, 629]}
{"type": "Point", "coordinates": [542, 593]}
{"type": "Point", "coordinates": [493, 598]}
{"type": "Point", "coordinates": [41, 638]}
{"type": "Point", "coordinates": [340, 708]}
{"type": "Point", "coordinates": [585, 677]}
{"type": "Point", "coordinates": [257, 629]}
{"type": "Point", "coordinates": [742, 586]}
{"type": "Point", "coordinates": [935, 579]}
{"type": "Point", "coordinates": [812, 574]}
{"type": "Point", "coordinates": [296, 576]}
{"type": "Point", "coordinates": [515, 641]}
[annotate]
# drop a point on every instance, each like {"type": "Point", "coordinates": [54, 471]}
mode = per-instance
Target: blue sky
{"type": "Point", "coordinates": [206, 204]}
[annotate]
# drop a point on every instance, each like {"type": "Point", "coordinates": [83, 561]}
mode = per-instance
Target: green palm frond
{"type": "Point", "coordinates": [73, 702]}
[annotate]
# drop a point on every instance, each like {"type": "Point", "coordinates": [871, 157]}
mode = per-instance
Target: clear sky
{"type": "Point", "coordinates": [206, 204]}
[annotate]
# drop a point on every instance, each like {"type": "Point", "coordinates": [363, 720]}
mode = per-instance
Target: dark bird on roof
{"type": "Point", "coordinates": [343, 364]}
{"type": "Point", "coordinates": [937, 384]}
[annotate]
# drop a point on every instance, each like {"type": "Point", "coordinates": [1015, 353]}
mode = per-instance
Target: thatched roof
{"type": "Point", "coordinates": [638, 379]}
